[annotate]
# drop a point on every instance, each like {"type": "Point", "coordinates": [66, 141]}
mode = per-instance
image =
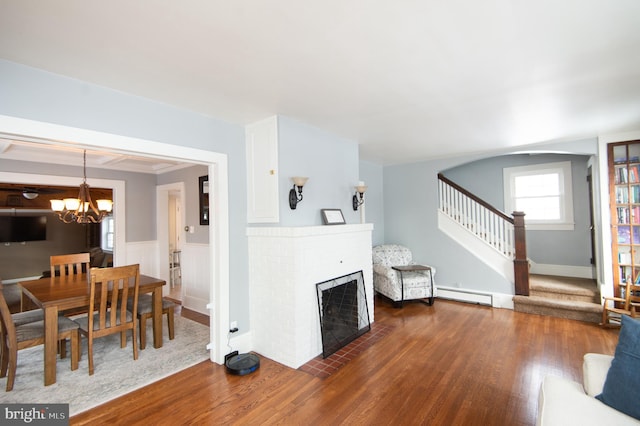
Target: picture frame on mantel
{"type": "Point", "coordinates": [332, 217]}
{"type": "Point", "coordinates": [203, 184]}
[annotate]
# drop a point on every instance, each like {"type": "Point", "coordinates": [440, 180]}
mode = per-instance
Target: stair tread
{"type": "Point", "coordinates": [564, 285]}
{"type": "Point", "coordinates": [575, 305]}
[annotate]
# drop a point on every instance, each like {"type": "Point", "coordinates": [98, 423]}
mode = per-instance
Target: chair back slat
{"type": "Point", "coordinates": [110, 288]}
{"type": "Point", "coordinates": [69, 264]}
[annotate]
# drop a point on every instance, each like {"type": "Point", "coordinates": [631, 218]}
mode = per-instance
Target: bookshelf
{"type": "Point", "coordinates": [624, 191]}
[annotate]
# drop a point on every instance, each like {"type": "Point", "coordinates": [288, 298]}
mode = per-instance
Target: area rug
{"type": "Point", "coordinates": [324, 367]}
{"type": "Point", "coordinates": [116, 373]}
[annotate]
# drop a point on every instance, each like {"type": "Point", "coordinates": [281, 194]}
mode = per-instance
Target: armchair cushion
{"type": "Point", "coordinates": [388, 255]}
{"type": "Point", "coordinates": [622, 385]}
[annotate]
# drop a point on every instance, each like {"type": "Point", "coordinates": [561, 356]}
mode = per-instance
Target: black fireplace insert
{"type": "Point", "coordinates": [344, 314]}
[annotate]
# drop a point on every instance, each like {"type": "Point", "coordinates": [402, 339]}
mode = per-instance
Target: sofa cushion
{"type": "Point", "coordinates": [622, 386]}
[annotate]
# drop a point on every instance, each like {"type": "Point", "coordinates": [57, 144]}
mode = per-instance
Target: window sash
{"type": "Point", "coordinates": [543, 192]}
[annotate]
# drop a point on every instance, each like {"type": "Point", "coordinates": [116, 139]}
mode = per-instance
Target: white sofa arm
{"type": "Point", "coordinates": [563, 402]}
{"type": "Point", "coordinates": [594, 372]}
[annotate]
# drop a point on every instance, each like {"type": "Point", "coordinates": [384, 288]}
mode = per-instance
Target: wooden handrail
{"type": "Point", "coordinates": [520, 261]}
{"type": "Point", "coordinates": [475, 198]}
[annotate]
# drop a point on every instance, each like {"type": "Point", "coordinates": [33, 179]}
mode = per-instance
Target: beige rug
{"type": "Point", "coordinates": [116, 373]}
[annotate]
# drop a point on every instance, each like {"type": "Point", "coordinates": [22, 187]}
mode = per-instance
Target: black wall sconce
{"type": "Point", "coordinates": [294, 198]}
{"type": "Point", "coordinates": [360, 189]}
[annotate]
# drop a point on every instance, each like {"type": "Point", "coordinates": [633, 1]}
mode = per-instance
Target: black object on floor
{"type": "Point", "coordinates": [241, 364]}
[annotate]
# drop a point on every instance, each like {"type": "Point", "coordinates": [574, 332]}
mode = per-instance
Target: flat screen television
{"type": "Point", "coordinates": [16, 229]}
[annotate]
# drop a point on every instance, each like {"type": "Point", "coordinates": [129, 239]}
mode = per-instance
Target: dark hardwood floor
{"type": "Point", "coordinates": [447, 364]}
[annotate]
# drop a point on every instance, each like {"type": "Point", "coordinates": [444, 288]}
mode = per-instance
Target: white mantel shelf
{"type": "Point", "coordinates": [285, 264]}
{"type": "Point", "coordinates": [306, 231]}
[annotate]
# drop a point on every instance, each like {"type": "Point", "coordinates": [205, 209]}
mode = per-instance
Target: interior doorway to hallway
{"type": "Point", "coordinates": [176, 233]}
{"type": "Point", "coordinates": [171, 237]}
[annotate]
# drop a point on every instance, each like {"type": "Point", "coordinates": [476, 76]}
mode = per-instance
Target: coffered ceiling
{"type": "Point", "coordinates": [408, 80]}
{"type": "Point", "coordinates": [21, 150]}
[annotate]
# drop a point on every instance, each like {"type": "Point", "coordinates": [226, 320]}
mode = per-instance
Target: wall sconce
{"type": "Point", "coordinates": [360, 189]}
{"type": "Point", "coordinates": [294, 198]}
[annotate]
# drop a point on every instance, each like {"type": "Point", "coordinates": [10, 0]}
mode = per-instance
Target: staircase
{"type": "Point", "coordinates": [499, 240]}
{"type": "Point", "coordinates": [562, 297]}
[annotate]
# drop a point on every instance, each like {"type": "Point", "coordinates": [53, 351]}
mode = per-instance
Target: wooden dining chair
{"type": "Point", "coordinates": [69, 264]}
{"type": "Point", "coordinates": [26, 329]}
{"type": "Point", "coordinates": [145, 311]}
{"type": "Point", "coordinates": [109, 290]}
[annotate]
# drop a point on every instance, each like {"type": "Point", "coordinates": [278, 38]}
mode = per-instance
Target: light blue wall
{"type": "Point", "coordinates": [43, 96]}
{"type": "Point", "coordinates": [373, 176]}
{"type": "Point", "coordinates": [39, 95]}
{"type": "Point", "coordinates": [410, 217]}
{"type": "Point", "coordinates": [191, 202]}
{"type": "Point", "coordinates": [485, 179]}
{"type": "Point", "coordinates": [330, 163]}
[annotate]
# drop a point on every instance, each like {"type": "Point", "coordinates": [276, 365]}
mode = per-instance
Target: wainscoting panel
{"type": "Point", "coordinates": [144, 253]}
{"type": "Point", "coordinates": [195, 270]}
{"type": "Point", "coordinates": [196, 277]}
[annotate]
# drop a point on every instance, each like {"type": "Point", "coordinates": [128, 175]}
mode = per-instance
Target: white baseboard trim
{"type": "Point", "coordinates": [196, 304]}
{"type": "Point", "coordinates": [562, 270]}
{"type": "Point", "coordinates": [495, 300]}
{"type": "Point", "coordinates": [463, 295]}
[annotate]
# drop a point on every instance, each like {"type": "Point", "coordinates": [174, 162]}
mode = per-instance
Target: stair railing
{"type": "Point", "coordinates": [504, 233]}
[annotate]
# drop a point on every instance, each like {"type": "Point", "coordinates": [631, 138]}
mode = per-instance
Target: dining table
{"type": "Point", "coordinates": [56, 294]}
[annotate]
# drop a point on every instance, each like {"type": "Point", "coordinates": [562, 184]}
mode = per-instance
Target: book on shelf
{"type": "Point", "coordinates": [633, 173]}
{"type": "Point", "coordinates": [624, 235]}
{"type": "Point", "coordinates": [621, 175]}
{"type": "Point", "coordinates": [623, 214]}
{"type": "Point", "coordinates": [624, 258]}
{"type": "Point", "coordinates": [622, 195]}
{"type": "Point", "coordinates": [635, 194]}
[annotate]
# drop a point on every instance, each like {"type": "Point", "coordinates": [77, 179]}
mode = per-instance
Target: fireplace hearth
{"type": "Point", "coordinates": [344, 313]}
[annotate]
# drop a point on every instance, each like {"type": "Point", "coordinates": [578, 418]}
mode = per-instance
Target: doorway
{"type": "Point", "coordinates": [218, 278]}
{"type": "Point", "coordinates": [171, 237]}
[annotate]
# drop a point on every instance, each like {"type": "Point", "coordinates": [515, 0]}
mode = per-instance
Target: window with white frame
{"type": "Point", "coordinates": [107, 228]}
{"type": "Point", "coordinates": [543, 192]}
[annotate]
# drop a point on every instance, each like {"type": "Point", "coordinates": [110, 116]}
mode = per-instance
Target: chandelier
{"type": "Point", "coordinates": [82, 209]}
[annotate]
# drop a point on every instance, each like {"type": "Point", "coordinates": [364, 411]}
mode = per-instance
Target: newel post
{"type": "Point", "coordinates": [520, 263]}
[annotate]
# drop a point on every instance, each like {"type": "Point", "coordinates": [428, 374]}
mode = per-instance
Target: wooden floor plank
{"type": "Point", "coordinates": [447, 364]}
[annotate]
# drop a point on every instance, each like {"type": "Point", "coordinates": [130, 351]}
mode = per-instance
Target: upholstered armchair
{"type": "Point", "coordinates": [389, 282]}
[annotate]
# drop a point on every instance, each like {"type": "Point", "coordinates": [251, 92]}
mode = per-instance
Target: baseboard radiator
{"type": "Point", "coordinates": [463, 295]}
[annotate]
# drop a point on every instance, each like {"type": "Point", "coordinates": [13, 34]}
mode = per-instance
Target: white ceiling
{"type": "Point", "coordinates": [407, 80]}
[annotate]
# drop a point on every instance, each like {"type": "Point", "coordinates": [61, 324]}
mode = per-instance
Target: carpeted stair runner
{"type": "Point", "coordinates": [562, 297]}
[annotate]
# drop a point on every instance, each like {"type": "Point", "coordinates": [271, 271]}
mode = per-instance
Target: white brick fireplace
{"type": "Point", "coordinates": [285, 264]}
